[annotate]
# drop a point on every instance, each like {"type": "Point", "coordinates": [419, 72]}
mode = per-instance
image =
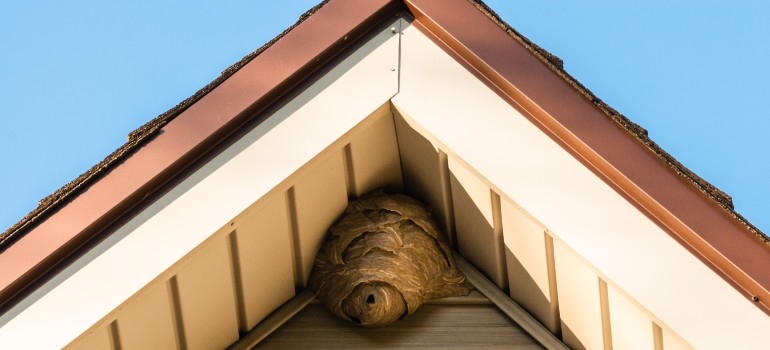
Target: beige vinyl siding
{"type": "Point", "coordinates": [137, 331]}
{"type": "Point", "coordinates": [237, 239]}
{"type": "Point", "coordinates": [478, 238]}
{"type": "Point", "coordinates": [621, 246]}
{"type": "Point", "coordinates": [262, 238]}
{"type": "Point", "coordinates": [528, 256]}
{"type": "Point", "coordinates": [215, 295]}
{"type": "Point", "coordinates": [579, 302]}
{"type": "Point", "coordinates": [196, 215]}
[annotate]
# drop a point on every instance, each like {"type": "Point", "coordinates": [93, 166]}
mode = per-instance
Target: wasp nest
{"type": "Point", "coordinates": [382, 259]}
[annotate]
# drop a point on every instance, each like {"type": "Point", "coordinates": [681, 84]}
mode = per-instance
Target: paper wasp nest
{"type": "Point", "coordinates": [382, 259]}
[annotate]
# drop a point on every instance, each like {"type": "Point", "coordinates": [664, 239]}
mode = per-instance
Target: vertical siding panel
{"type": "Point", "coordinates": [555, 319]}
{"type": "Point", "coordinates": [172, 290]}
{"type": "Point", "coordinates": [296, 250]}
{"type": "Point", "coordinates": [206, 298]}
{"type": "Point", "coordinates": [147, 322]}
{"type": "Point", "coordinates": [474, 223]}
{"type": "Point", "coordinates": [604, 302]}
{"type": "Point", "coordinates": [657, 336]}
{"type": "Point", "coordinates": [320, 196]}
{"type": "Point", "coordinates": [114, 334]}
{"type": "Point", "coordinates": [350, 173]}
{"type": "Point", "coordinates": [631, 326]}
{"type": "Point", "coordinates": [235, 269]}
{"type": "Point", "coordinates": [447, 207]}
{"type": "Point", "coordinates": [422, 175]}
{"type": "Point", "coordinates": [579, 302]}
{"type": "Point", "coordinates": [97, 339]}
{"type": "Point", "coordinates": [265, 258]}
{"type": "Point", "coordinates": [374, 155]}
{"type": "Point", "coordinates": [672, 341]}
{"type": "Point", "coordinates": [527, 264]}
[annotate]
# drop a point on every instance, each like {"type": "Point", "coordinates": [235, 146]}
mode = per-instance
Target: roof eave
{"type": "Point", "coordinates": [690, 209]}
{"type": "Point", "coordinates": [164, 148]}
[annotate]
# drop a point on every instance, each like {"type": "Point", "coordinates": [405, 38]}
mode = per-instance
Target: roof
{"type": "Point", "coordinates": [636, 130]}
{"type": "Point", "coordinates": [698, 221]}
{"type": "Point", "coordinates": [150, 172]}
{"type": "Point", "coordinates": [136, 139]}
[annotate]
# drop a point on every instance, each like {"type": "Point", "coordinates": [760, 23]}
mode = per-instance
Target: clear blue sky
{"type": "Point", "coordinates": [76, 77]}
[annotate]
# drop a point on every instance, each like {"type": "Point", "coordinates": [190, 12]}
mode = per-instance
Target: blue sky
{"type": "Point", "coordinates": [76, 77]}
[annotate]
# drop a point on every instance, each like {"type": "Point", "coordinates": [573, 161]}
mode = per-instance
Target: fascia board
{"type": "Point", "coordinates": [563, 110]}
{"type": "Point", "coordinates": [184, 218]}
{"type": "Point", "coordinates": [144, 171]}
{"type": "Point", "coordinates": [472, 123]}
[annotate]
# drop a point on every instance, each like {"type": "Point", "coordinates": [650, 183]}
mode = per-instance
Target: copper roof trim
{"type": "Point", "coordinates": [170, 143]}
{"type": "Point", "coordinates": [136, 138]}
{"type": "Point", "coordinates": [694, 212]}
{"type": "Point", "coordinates": [636, 130]}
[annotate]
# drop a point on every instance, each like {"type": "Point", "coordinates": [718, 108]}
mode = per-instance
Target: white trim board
{"type": "Point", "coordinates": [471, 123]}
{"type": "Point", "coordinates": [462, 117]}
{"type": "Point", "coordinates": [189, 214]}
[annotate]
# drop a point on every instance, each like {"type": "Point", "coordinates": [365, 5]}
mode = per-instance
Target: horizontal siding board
{"type": "Point", "coordinates": [431, 326]}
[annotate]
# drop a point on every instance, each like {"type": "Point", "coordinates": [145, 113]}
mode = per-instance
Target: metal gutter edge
{"type": "Point", "coordinates": [183, 141]}
{"type": "Point", "coordinates": [700, 223]}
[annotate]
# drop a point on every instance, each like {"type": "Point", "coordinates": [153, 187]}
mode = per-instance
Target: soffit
{"type": "Point", "coordinates": [715, 234]}
{"type": "Point", "coordinates": [587, 216]}
{"type": "Point", "coordinates": [442, 130]}
{"type": "Point", "coordinates": [159, 151]}
{"type": "Point", "coordinates": [618, 151]}
{"type": "Point", "coordinates": [197, 211]}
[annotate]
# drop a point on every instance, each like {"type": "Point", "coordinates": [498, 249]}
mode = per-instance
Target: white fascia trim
{"type": "Point", "coordinates": [471, 123]}
{"type": "Point", "coordinates": [189, 214]}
